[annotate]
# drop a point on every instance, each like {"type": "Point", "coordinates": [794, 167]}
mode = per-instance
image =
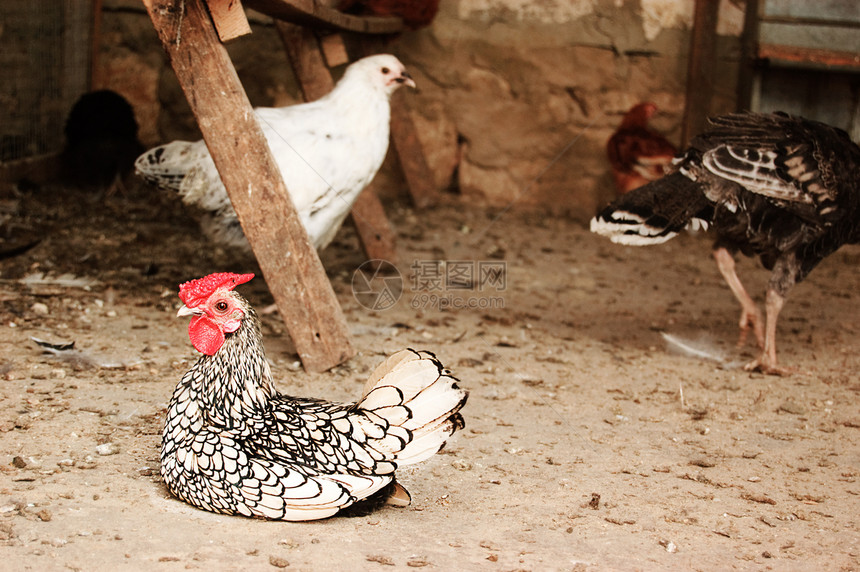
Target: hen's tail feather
{"type": "Point", "coordinates": [167, 165]}
{"type": "Point", "coordinates": [417, 397]}
{"type": "Point", "coordinates": [426, 445]}
{"type": "Point", "coordinates": [654, 213]}
{"type": "Point", "coordinates": [187, 168]}
{"type": "Point", "coordinates": [386, 367]}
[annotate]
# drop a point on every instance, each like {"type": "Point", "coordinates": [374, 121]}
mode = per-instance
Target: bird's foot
{"type": "Point", "coordinates": [117, 187]}
{"type": "Point", "coordinates": [767, 366]}
{"type": "Point", "coordinates": [751, 320]}
{"type": "Point", "coordinates": [399, 496]}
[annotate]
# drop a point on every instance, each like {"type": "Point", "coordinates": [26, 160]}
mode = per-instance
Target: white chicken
{"type": "Point", "coordinates": [327, 151]}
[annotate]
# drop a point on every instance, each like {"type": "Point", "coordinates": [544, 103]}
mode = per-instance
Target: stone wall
{"type": "Point", "coordinates": [516, 98]}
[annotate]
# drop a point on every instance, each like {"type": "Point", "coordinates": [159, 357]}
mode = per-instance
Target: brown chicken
{"type": "Point", "coordinates": [638, 154]}
{"type": "Point", "coordinates": [415, 13]}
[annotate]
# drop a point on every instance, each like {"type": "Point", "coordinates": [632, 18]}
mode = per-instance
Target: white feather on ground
{"type": "Point", "coordinates": [327, 150]}
{"type": "Point", "coordinates": [701, 348]}
{"type": "Point", "coordinates": [80, 360]}
{"type": "Point", "coordinates": [66, 280]}
{"type": "Point", "coordinates": [696, 349]}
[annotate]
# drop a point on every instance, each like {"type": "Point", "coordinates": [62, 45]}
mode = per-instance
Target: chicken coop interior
{"type": "Point", "coordinates": [457, 284]}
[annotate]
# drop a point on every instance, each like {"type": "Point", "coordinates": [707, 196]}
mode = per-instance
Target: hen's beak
{"type": "Point", "coordinates": [406, 79]}
{"type": "Point", "coordinates": [185, 311]}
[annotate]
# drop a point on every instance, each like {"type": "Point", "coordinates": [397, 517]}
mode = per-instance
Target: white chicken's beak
{"type": "Point", "coordinates": [185, 311]}
{"type": "Point", "coordinates": [406, 79]}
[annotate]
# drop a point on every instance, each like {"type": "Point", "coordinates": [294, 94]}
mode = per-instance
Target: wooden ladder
{"type": "Point", "coordinates": [192, 33]}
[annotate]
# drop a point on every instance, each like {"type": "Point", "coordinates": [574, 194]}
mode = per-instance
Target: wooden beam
{"type": "Point", "coordinates": [229, 19]}
{"type": "Point", "coordinates": [749, 43]}
{"type": "Point", "coordinates": [333, 50]}
{"type": "Point", "coordinates": [38, 169]}
{"type": "Point", "coordinates": [314, 13]}
{"type": "Point", "coordinates": [375, 233]}
{"type": "Point", "coordinates": [700, 77]}
{"type": "Point", "coordinates": [305, 58]}
{"type": "Point", "coordinates": [96, 81]}
{"type": "Point", "coordinates": [419, 178]}
{"type": "Point", "coordinates": [289, 262]}
{"type": "Point", "coordinates": [810, 56]}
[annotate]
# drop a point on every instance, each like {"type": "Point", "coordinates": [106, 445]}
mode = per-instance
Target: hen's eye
{"type": "Point", "coordinates": [385, 71]}
{"type": "Point", "coordinates": [221, 306]}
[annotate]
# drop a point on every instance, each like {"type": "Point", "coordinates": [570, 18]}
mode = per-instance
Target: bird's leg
{"type": "Point", "coordinates": [117, 186]}
{"type": "Point", "coordinates": [750, 313]}
{"type": "Point", "coordinates": [766, 362]}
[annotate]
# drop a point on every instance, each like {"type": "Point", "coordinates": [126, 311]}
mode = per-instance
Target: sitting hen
{"type": "Point", "coordinates": [784, 188]}
{"type": "Point", "coordinates": [327, 151]}
{"type": "Point", "coordinates": [637, 153]}
{"type": "Point", "coordinates": [232, 444]}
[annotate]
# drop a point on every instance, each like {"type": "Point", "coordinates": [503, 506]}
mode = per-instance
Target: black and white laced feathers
{"type": "Point", "coordinates": [232, 444]}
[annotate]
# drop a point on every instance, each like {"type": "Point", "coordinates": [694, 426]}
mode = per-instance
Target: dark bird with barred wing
{"type": "Point", "coordinates": [327, 150]}
{"type": "Point", "coordinates": [783, 188]}
{"type": "Point", "coordinates": [232, 444]}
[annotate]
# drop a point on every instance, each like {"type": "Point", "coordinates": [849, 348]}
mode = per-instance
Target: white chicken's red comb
{"type": "Point", "coordinates": [195, 292]}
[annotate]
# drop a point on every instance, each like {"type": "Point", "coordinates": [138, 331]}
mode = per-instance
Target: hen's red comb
{"type": "Point", "coordinates": [195, 292]}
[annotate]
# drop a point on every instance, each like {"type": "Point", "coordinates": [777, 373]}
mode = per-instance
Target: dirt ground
{"type": "Point", "coordinates": [590, 444]}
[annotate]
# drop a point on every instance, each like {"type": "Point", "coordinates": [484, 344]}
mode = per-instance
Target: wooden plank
{"type": "Point", "coordinates": [333, 50]}
{"type": "Point", "coordinates": [818, 22]}
{"type": "Point", "coordinates": [812, 56]}
{"type": "Point", "coordinates": [38, 169]}
{"type": "Point", "coordinates": [289, 262]}
{"type": "Point", "coordinates": [747, 72]}
{"type": "Point", "coordinates": [419, 178]}
{"type": "Point", "coordinates": [315, 14]}
{"type": "Point", "coordinates": [306, 60]}
{"type": "Point", "coordinates": [229, 19]}
{"type": "Point", "coordinates": [700, 77]}
{"type": "Point", "coordinates": [96, 80]}
{"type": "Point", "coordinates": [375, 233]}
